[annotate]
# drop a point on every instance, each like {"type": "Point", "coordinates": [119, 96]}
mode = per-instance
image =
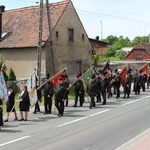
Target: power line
{"type": "Point", "coordinates": [117, 17]}
{"type": "Point", "coordinates": [89, 12]}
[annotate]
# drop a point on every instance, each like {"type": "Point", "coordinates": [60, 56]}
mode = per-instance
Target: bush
{"type": "Point", "coordinates": [12, 76]}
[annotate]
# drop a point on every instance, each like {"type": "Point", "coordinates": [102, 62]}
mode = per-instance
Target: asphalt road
{"type": "Point", "coordinates": [105, 127]}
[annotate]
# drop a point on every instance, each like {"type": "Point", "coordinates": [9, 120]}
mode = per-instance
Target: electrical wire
{"type": "Point", "coordinates": [117, 17]}
{"type": "Point", "coordinates": [88, 12]}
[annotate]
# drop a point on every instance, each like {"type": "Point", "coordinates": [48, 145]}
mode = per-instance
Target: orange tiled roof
{"type": "Point", "coordinates": [23, 25]}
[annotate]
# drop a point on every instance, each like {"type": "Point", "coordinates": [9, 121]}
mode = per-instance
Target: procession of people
{"type": "Point", "coordinates": [101, 86]}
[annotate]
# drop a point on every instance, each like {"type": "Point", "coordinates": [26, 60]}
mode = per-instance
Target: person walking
{"type": "Point", "coordinates": [79, 91]}
{"type": "Point", "coordinates": [24, 103]}
{"type": "Point", "coordinates": [98, 82]}
{"type": "Point", "coordinates": [10, 104]}
{"type": "Point", "coordinates": [126, 86]}
{"type": "Point", "coordinates": [117, 84]}
{"type": "Point", "coordinates": [104, 87]}
{"type": "Point", "coordinates": [60, 96]}
{"type": "Point", "coordinates": [48, 94]}
{"type": "Point", "coordinates": [138, 82]}
{"type": "Point", "coordinates": [92, 90]}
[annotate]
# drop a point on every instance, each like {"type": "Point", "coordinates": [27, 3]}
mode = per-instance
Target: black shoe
{"type": "Point", "coordinates": [34, 112]}
{"type": "Point", "coordinates": [59, 115]}
{"type": "Point", "coordinates": [25, 120]}
{"type": "Point", "coordinates": [6, 120]}
{"type": "Point", "coordinates": [90, 107]}
{"type": "Point", "coordinates": [74, 106]}
{"type": "Point", "coordinates": [16, 119]}
{"type": "Point", "coordinates": [124, 97]}
{"type": "Point", "coordinates": [45, 113]}
{"type": "Point", "coordinates": [103, 103]}
{"type": "Point", "coordinates": [21, 119]}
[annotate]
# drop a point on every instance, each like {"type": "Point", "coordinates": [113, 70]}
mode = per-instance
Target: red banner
{"type": "Point", "coordinates": [144, 68]}
{"type": "Point", "coordinates": [123, 74]}
{"type": "Point", "coordinates": [56, 77]}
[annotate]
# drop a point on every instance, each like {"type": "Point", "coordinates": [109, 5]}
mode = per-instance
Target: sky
{"type": "Point", "coordinates": [128, 18]}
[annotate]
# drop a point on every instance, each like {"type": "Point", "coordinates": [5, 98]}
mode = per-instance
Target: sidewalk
{"type": "Point", "coordinates": [140, 142]}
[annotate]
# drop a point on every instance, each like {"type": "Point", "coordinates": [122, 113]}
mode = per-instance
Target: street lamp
{"type": "Point", "coordinates": [101, 30]}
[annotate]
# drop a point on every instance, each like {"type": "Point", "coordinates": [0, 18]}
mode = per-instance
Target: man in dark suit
{"type": "Point", "coordinates": [48, 94]}
{"type": "Point", "coordinates": [98, 82]}
{"type": "Point", "coordinates": [126, 86]}
{"type": "Point", "coordinates": [104, 87]}
{"type": "Point", "coordinates": [60, 96]}
{"type": "Point", "coordinates": [117, 84]}
{"type": "Point", "coordinates": [79, 91]}
{"type": "Point", "coordinates": [92, 90]}
{"type": "Point", "coordinates": [138, 82]}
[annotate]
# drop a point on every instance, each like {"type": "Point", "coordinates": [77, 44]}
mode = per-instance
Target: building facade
{"type": "Point", "coordinates": [71, 45]}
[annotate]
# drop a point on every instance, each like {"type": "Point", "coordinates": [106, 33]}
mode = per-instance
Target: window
{"type": "Point", "coordinates": [138, 56]}
{"type": "Point", "coordinates": [79, 67]}
{"type": "Point", "coordinates": [83, 37]}
{"type": "Point", "coordinates": [56, 33]}
{"type": "Point", "coordinates": [70, 35]}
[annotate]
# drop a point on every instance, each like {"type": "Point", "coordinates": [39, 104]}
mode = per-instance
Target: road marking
{"type": "Point", "coordinates": [98, 113]}
{"type": "Point", "coordinates": [82, 118]}
{"type": "Point", "coordinates": [134, 101]}
{"type": "Point", "coordinates": [19, 139]}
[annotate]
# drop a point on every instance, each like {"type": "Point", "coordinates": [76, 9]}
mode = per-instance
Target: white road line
{"type": "Point", "coordinates": [82, 118]}
{"type": "Point", "coordinates": [99, 113]}
{"type": "Point", "coordinates": [19, 139]}
{"type": "Point", "coordinates": [134, 101]}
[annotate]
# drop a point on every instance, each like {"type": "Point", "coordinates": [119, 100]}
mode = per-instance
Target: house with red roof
{"type": "Point", "coordinates": [141, 52]}
{"type": "Point", "coordinates": [71, 46]}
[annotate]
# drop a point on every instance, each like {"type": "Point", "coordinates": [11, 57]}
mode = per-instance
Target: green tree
{"type": "Point", "coordinates": [140, 39]}
{"type": "Point", "coordinates": [118, 43]}
{"type": "Point", "coordinates": [12, 76]}
{"type": "Point", "coordinates": [95, 58]}
{"type": "Point", "coordinates": [121, 54]}
{"type": "Point", "coordinates": [4, 68]}
{"type": "Point", "coordinates": [111, 39]}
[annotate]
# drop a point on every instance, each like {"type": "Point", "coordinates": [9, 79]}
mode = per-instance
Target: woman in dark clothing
{"type": "Point", "coordinates": [24, 103]}
{"type": "Point", "coordinates": [1, 113]}
{"type": "Point", "coordinates": [10, 103]}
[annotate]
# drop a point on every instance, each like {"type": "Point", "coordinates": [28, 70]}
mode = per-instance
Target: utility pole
{"type": "Point", "coordinates": [2, 9]}
{"type": "Point", "coordinates": [39, 49]}
{"type": "Point", "coordinates": [50, 35]}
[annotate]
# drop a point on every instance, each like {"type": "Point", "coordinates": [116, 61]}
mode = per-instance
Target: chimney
{"type": "Point", "coordinates": [97, 38]}
{"type": "Point", "coordinates": [2, 9]}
